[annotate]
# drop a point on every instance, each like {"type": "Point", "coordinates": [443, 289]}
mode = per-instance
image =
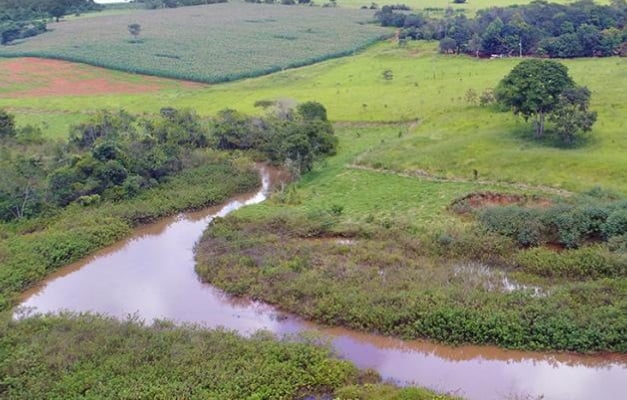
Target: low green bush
{"type": "Point", "coordinates": [88, 356]}
{"type": "Point", "coordinates": [585, 263]}
{"type": "Point", "coordinates": [393, 282]}
{"type": "Point", "coordinates": [568, 223]}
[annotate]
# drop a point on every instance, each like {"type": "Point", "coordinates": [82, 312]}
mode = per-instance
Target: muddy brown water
{"type": "Point", "coordinates": [151, 275]}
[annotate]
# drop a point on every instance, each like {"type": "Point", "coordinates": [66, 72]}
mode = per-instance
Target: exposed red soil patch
{"type": "Point", "coordinates": [37, 77]}
{"type": "Point", "coordinates": [478, 200]}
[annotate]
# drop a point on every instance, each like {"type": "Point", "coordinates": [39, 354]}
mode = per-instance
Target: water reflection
{"type": "Point", "coordinates": [152, 275]}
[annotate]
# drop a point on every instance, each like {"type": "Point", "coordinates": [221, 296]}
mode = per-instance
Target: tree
{"type": "Point", "coordinates": [474, 45]}
{"type": "Point", "coordinates": [311, 110]}
{"type": "Point", "coordinates": [134, 30]}
{"type": "Point", "coordinates": [58, 11]}
{"type": "Point", "coordinates": [21, 186]}
{"type": "Point", "coordinates": [448, 45]}
{"type": "Point", "coordinates": [7, 124]}
{"type": "Point", "coordinates": [533, 89]}
{"type": "Point", "coordinates": [571, 115]}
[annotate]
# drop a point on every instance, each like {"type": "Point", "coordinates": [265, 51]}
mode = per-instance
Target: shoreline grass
{"type": "Point", "coordinates": [31, 249]}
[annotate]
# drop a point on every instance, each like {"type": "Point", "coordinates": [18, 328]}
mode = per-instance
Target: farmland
{"type": "Point", "coordinates": [214, 43]}
{"type": "Point", "coordinates": [429, 215]}
{"type": "Point", "coordinates": [428, 89]}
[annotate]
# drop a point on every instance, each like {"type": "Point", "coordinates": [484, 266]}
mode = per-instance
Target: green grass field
{"type": "Point", "coordinates": [215, 43]}
{"type": "Point", "coordinates": [384, 253]}
{"type": "Point", "coordinates": [449, 138]}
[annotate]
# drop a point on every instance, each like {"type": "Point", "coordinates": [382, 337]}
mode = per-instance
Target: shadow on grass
{"type": "Point", "coordinates": [524, 132]}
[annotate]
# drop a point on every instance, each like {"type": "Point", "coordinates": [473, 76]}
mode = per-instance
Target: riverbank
{"type": "Point", "coordinates": [385, 254]}
{"type": "Point", "coordinates": [88, 356]}
{"type": "Point", "coordinates": [32, 249]}
{"type": "Point", "coordinates": [151, 277]}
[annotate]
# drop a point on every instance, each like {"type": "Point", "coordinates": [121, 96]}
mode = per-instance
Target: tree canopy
{"type": "Point", "coordinates": [116, 155]}
{"type": "Point", "coordinates": [540, 88]}
{"type": "Point", "coordinates": [579, 29]}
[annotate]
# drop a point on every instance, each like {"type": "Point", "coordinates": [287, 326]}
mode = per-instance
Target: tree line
{"type": "Point", "coordinates": [579, 29]}
{"type": "Point", "coordinates": [116, 155]}
{"type": "Point", "coordinates": [20, 19]}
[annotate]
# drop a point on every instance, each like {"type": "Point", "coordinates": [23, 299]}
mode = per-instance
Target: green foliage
{"type": "Point", "coordinates": [567, 223]}
{"type": "Point", "coordinates": [251, 40]}
{"type": "Point", "coordinates": [20, 19]}
{"type": "Point", "coordinates": [615, 224]}
{"type": "Point", "coordinates": [33, 248]}
{"type": "Point", "coordinates": [586, 263]}
{"type": "Point", "coordinates": [519, 223]}
{"type": "Point", "coordinates": [571, 115]}
{"type": "Point", "coordinates": [7, 124]}
{"type": "Point", "coordinates": [69, 356]}
{"type": "Point", "coordinates": [533, 89]}
{"type": "Point", "coordinates": [386, 392]}
{"type": "Point", "coordinates": [288, 138]}
{"type": "Point", "coordinates": [311, 110]}
{"type": "Point", "coordinates": [580, 29]}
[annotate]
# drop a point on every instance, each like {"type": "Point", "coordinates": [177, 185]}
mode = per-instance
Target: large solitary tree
{"type": "Point", "coordinates": [541, 90]}
{"type": "Point", "coordinates": [533, 89]}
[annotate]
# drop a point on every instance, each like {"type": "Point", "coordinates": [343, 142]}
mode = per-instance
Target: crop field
{"type": "Point", "coordinates": [213, 43]}
{"type": "Point", "coordinates": [36, 77]}
{"type": "Point", "coordinates": [428, 90]}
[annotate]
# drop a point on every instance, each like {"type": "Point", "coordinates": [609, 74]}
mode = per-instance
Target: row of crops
{"type": "Point", "coordinates": [213, 43]}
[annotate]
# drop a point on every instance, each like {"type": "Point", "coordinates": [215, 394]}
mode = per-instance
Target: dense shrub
{"type": "Point", "coordinates": [569, 224]}
{"type": "Point", "coordinates": [520, 223]}
{"type": "Point", "coordinates": [615, 224]}
{"type": "Point", "coordinates": [115, 155]}
{"type": "Point", "coordinates": [586, 263]}
{"type": "Point", "coordinates": [391, 282]}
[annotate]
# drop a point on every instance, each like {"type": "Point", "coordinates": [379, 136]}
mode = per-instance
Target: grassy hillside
{"type": "Point", "coordinates": [427, 88]}
{"type": "Point", "coordinates": [213, 43]}
{"type": "Point", "coordinates": [384, 253]}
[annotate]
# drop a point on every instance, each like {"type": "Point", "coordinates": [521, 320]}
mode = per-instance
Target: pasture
{"type": "Point", "coordinates": [215, 43]}
{"type": "Point", "coordinates": [427, 89]}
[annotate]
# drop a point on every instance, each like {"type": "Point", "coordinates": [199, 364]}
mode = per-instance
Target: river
{"type": "Point", "coordinates": [151, 275]}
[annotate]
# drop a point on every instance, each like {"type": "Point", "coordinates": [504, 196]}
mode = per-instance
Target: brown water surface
{"type": "Point", "coordinates": [152, 275]}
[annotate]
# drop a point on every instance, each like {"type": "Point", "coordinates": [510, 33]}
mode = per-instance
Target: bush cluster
{"type": "Point", "coordinates": [569, 224]}
{"type": "Point", "coordinates": [389, 281]}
